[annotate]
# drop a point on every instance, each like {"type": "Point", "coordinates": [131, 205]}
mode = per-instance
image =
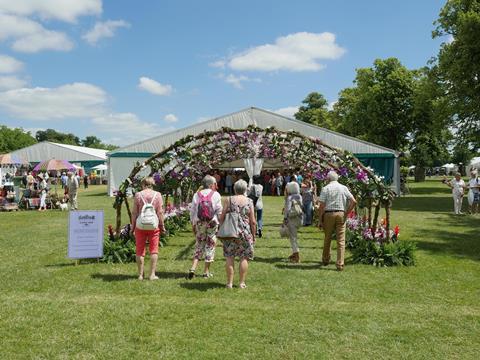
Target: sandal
{"type": "Point", "coordinates": [243, 286]}
{"type": "Point", "coordinates": [229, 286]}
{"type": "Point", "coordinates": [191, 274]}
{"type": "Point", "coordinates": [207, 275]}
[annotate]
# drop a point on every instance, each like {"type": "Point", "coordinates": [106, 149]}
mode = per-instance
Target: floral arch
{"type": "Point", "coordinates": [178, 169]}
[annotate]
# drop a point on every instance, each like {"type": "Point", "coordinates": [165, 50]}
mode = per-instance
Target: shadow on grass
{"type": "Point", "coordinates": [113, 277]}
{"type": "Point", "coordinates": [454, 235]}
{"type": "Point", "coordinates": [304, 266]}
{"type": "Point", "coordinates": [424, 204]}
{"type": "Point", "coordinates": [60, 265]}
{"type": "Point", "coordinates": [125, 277]}
{"type": "Point", "coordinates": [187, 252]}
{"type": "Point", "coordinates": [95, 194]}
{"type": "Point", "coordinates": [201, 286]}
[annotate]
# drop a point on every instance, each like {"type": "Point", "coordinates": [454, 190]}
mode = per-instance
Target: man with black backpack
{"type": "Point", "coordinates": [205, 210]}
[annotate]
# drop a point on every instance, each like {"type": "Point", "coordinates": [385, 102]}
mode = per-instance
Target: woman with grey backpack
{"type": "Point", "coordinates": [293, 217]}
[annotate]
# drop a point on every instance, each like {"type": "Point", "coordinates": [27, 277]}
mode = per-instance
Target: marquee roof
{"type": "Point", "coordinates": [260, 118]}
{"type": "Point", "coordinates": [49, 150]}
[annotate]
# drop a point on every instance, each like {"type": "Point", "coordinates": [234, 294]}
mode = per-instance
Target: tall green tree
{"type": "Point", "coordinates": [14, 138]}
{"type": "Point", "coordinates": [314, 111]}
{"type": "Point", "coordinates": [379, 107]}
{"type": "Point", "coordinates": [459, 65]}
{"type": "Point", "coordinates": [431, 135]}
{"type": "Point", "coordinates": [58, 137]}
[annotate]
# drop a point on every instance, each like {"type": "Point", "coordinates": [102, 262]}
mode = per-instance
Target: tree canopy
{"type": "Point", "coordinates": [459, 65]}
{"type": "Point", "coordinates": [314, 111]}
{"type": "Point", "coordinates": [379, 107]}
{"type": "Point", "coordinates": [12, 139]}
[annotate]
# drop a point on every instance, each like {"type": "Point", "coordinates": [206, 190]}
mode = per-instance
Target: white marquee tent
{"type": "Point", "coordinates": [121, 161]}
{"type": "Point", "coordinates": [45, 150]}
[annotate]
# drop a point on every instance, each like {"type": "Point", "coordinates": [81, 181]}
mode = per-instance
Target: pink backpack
{"type": "Point", "coordinates": [205, 211]}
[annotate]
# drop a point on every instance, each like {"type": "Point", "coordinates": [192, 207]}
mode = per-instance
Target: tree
{"type": "Point", "coordinates": [93, 142]}
{"type": "Point", "coordinates": [14, 138]}
{"type": "Point", "coordinates": [315, 111]}
{"type": "Point", "coordinates": [58, 137]}
{"type": "Point", "coordinates": [379, 107]}
{"type": "Point", "coordinates": [459, 65]}
{"type": "Point", "coordinates": [431, 135]}
{"type": "Point", "coordinates": [96, 143]}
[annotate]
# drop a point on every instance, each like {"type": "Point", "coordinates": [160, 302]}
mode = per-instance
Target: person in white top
{"type": "Point", "coordinates": [205, 210]}
{"type": "Point", "coordinates": [336, 201]}
{"type": "Point", "coordinates": [458, 190]}
{"type": "Point", "coordinates": [42, 186]}
{"type": "Point", "coordinates": [474, 192]}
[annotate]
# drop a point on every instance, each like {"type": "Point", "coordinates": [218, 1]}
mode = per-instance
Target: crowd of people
{"type": "Point", "coordinates": [41, 184]}
{"type": "Point", "coordinates": [240, 215]}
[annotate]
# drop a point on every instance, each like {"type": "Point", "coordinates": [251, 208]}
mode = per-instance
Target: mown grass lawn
{"type": "Point", "coordinates": [52, 309]}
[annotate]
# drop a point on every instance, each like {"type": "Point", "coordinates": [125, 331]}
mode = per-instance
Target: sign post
{"type": "Point", "coordinates": [85, 234]}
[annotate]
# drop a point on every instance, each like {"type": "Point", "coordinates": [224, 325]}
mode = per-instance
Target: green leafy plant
{"type": "Point", "coordinates": [384, 254]}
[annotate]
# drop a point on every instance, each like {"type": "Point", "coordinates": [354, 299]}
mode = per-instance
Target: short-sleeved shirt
{"type": "Point", "coordinates": [473, 183]}
{"type": "Point", "coordinates": [458, 187]}
{"type": "Point", "coordinates": [216, 203]}
{"type": "Point", "coordinates": [335, 196]}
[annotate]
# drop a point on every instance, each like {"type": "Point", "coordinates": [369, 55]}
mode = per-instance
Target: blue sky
{"type": "Point", "coordinates": [125, 70]}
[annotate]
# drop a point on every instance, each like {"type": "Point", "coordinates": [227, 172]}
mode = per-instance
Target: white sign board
{"type": "Point", "coordinates": [85, 234]}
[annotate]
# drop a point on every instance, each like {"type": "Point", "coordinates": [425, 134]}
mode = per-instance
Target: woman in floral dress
{"type": "Point", "coordinates": [243, 246]}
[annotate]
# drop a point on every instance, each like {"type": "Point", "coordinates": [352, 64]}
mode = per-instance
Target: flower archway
{"type": "Point", "coordinates": [178, 169]}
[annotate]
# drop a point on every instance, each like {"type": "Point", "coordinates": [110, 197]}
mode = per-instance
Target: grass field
{"type": "Point", "coordinates": [52, 309]}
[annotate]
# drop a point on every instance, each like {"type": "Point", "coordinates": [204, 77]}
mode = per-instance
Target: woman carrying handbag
{"type": "Point", "coordinates": [237, 232]}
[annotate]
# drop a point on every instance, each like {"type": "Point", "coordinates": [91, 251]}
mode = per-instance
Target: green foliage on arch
{"type": "Point", "coordinates": [183, 164]}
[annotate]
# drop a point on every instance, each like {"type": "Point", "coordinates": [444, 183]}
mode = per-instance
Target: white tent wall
{"type": "Point", "coordinates": [122, 161]}
{"type": "Point", "coordinates": [123, 167]}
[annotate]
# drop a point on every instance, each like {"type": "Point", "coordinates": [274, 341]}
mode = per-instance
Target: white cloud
{"type": "Point", "coordinates": [171, 118]}
{"type": "Point", "coordinates": [288, 111]}
{"type": "Point", "coordinates": [237, 80]}
{"type": "Point", "coordinates": [295, 52]}
{"type": "Point", "coordinates": [9, 65]}
{"type": "Point", "coordinates": [126, 128]}
{"type": "Point", "coordinates": [450, 39]}
{"type": "Point", "coordinates": [11, 82]}
{"type": "Point", "coordinates": [45, 40]}
{"type": "Point", "coordinates": [104, 30]}
{"type": "Point", "coordinates": [154, 87]}
{"type": "Point", "coordinates": [30, 36]}
{"type": "Point", "coordinates": [76, 100]}
{"type": "Point", "coordinates": [64, 10]}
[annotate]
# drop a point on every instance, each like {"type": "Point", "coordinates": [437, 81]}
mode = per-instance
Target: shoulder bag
{"type": "Point", "coordinates": [229, 228]}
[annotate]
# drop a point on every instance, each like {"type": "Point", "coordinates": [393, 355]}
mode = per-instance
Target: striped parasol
{"type": "Point", "coordinates": [54, 165]}
{"type": "Point", "coordinates": [9, 159]}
